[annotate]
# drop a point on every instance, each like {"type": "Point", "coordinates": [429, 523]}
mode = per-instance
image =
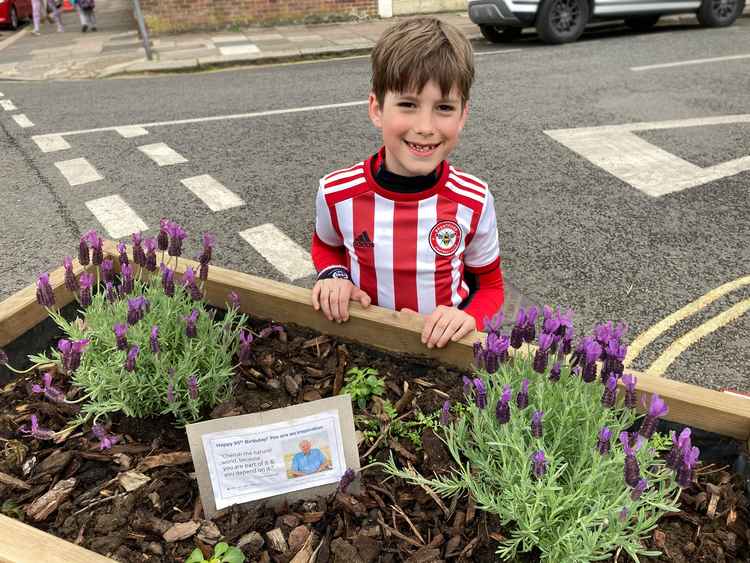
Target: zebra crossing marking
{"type": "Point", "coordinates": [50, 143]}
{"type": "Point", "coordinates": [162, 154]}
{"type": "Point", "coordinates": [22, 120]}
{"type": "Point", "coordinates": [280, 251]}
{"type": "Point", "coordinates": [116, 216]}
{"type": "Point", "coordinates": [130, 131]}
{"type": "Point", "coordinates": [78, 171]}
{"type": "Point", "coordinates": [8, 105]}
{"type": "Point", "coordinates": [211, 192]}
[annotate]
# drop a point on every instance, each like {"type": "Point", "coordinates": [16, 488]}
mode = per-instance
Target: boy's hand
{"type": "Point", "coordinates": [333, 296]}
{"type": "Point", "coordinates": [445, 324]}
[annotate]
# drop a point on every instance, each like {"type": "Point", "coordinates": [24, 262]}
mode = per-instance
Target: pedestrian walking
{"type": "Point", "coordinates": [85, 9]}
{"type": "Point", "coordinates": [39, 8]}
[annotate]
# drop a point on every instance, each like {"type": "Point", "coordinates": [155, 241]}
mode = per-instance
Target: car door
{"type": "Point", "coordinates": [23, 8]}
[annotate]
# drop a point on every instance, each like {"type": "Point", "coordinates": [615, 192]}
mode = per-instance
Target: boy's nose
{"type": "Point", "coordinates": [423, 125]}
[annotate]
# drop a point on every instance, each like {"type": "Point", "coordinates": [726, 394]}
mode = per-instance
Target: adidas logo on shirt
{"type": "Point", "coordinates": [362, 240]}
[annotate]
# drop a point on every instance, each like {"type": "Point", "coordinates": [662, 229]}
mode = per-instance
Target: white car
{"type": "Point", "coordinates": [561, 21]}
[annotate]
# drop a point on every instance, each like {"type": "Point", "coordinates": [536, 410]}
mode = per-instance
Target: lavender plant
{"type": "Point", "coordinates": [148, 345]}
{"type": "Point", "coordinates": [545, 445]}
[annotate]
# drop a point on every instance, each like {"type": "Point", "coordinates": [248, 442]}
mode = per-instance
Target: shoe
{"type": "Point", "coordinates": [60, 30]}
{"type": "Point", "coordinates": [93, 28]}
{"type": "Point", "coordinates": [84, 28]}
{"type": "Point", "coordinates": [35, 33]}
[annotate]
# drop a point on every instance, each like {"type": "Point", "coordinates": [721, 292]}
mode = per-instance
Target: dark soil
{"type": "Point", "coordinates": [387, 521]}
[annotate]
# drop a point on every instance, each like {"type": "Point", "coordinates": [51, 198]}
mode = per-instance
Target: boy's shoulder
{"type": "Point", "coordinates": [344, 183]}
{"type": "Point", "coordinates": [467, 189]}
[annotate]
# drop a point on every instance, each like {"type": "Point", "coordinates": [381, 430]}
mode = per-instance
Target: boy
{"type": "Point", "coordinates": [405, 229]}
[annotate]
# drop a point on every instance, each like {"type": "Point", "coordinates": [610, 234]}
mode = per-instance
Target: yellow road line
{"type": "Point", "coordinates": [647, 337]}
{"type": "Point", "coordinates": [677, 347]}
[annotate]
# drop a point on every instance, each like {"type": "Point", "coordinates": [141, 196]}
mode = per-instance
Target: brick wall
{"type": "Point", "coordinates": [181, 15]}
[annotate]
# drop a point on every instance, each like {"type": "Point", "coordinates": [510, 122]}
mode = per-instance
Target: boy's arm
{"type": "Point", "coordinates": [327, 249]}
{"type": "Point", "coordinates": [482, 259]}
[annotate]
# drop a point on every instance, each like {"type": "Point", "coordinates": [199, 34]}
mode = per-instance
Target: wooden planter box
{"type": "Point", "coordinates": [19, 543]}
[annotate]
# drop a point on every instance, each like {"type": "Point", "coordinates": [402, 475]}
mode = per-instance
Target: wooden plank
{"type": "Point", "coordinates": [20, 543]}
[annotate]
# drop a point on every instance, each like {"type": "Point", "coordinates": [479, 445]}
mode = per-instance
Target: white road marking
{"type": "Point", "coordinates": [1, 94]}
{"type": "Point", "coordinates": [215, 195]}
{"type": "Point", "coordinates": [645, 166]}
{"type": "Point", "coordinates": [690, 62]}
{"type": "Point", "coordinates": [162, 154]}
{"type": "Point", "coordinates": [208, 119]}
{"type": "Point", "coordinates": [8, 105]}
{"type": "Point", "coordinates": [500, 52]}
{"type": "Point", "coordinates": [283, 253]}
{"type": "Point", "coordinates": [116, 216]}
{"type": "Point", "coordinates": [22, 120]}
{"type": "Point", "coordinates": [78, 171]}
{"type": "Point", "coordinates": [133, 131]}
{"type": "Point", "coordinates": [248, 49]}
{"type": "Point", "coordinates": [50, 143]}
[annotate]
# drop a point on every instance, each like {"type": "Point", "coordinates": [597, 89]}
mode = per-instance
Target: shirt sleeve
{"type": "Point", "coordinates": [323, 223]}
{"type": "Point", "coordinates": [484, 248]}
{"type": "Point", "coordinates": [489, 296]}
{"type": "Point", "coordinates": [296, 463]}
{"type": "Point", "coordinates": [327, 249]}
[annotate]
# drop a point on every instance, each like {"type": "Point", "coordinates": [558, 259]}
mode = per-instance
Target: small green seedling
{"type": "Point", "coordinates": [362, 384]}
{"type": "Point", "coordinates": [223, 553]}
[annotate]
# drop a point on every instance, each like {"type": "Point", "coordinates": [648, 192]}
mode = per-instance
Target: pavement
{"type": "Point", "coordinates": [116, 48]}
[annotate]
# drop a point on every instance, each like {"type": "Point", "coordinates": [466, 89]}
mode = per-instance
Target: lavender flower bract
{"type": "Point", "coordinates": [246, 339]}
{"type": "Point", "coordinates": [609, 397]}
{"type": "Point", "coordinates": [502, 411]}
{"type": "Point", "coordinates": [50, 391]}
{"type": "Point", "coordinates": [86, 281]}
{"type": "Point", "coordinates": [71, 282]}
{"type": "Point", "coordinates": [445, 413]}
{"type": "Point", "coordinates": [522, 397]}
{"type": "Point", "coordinates": [132, 357]}
{"type": "Point", "coordinates": [122, 251]}
{"type": "Point", "coordinates": [657, 408]}
{"type": "Point", "coordinates": [193, 387]}
{"type": "Point", "coordinates": [481, 396]}
{"type": "Point", "coordinates": [190, 329]}
{"type": "Point", "coordinates": [536, 424]}
{"type": "Point", "coordinates": [44, 294]}
{"type": "Point", "coordinates": [539, 464]}
{"type": "Point", "coordinates": [36, 431]}
{"type": "Point", "coordinates": [121, 340]}
{"type": "Point", "coordinates": [603, 445]}
{"type": "Point", "coordinates": [154, 340]}
{"type": "Point", "coordinates": [630, 397]}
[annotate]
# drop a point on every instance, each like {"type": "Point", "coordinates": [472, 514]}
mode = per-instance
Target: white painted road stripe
{"type": "Point", "coordinates": [215, 195]}
{"type": "Point", "coordinates": [7, 105]}
{"type": "Point", "coordinates": [78, 171]}
{"type": "Point", "coordinates": [500, 52]}
{"type": "Point", "coordinates": [50, 143]}
{"type": "Point", "coordinates": [283, 253]}
{"type": "Point", "coordinates": [133, 131]}
{"type": "Point", "coordinates": [22, 120]}
{"type": "Point", "coordinates": [690, 62]}
{"type": "Point", "coordinates": [214, 118]}
{"type": "Point", "coordinates": [116, 216]}
{"type": "Point", "coordinates": [248, 49]}
{"type": "Point", "coordinates": [162, 154]}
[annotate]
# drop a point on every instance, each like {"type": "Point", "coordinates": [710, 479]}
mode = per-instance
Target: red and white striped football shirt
{"type": "Point", "coordinates": [408, 249]}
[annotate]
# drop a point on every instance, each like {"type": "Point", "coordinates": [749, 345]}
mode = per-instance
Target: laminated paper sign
{"type": "Point", "coordinates": [303, 449]}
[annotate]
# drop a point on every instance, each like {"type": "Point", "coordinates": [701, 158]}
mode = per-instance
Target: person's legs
{"type": "Point", "coordinates": [56, 15]}
{"type": "Point", "coordinates": [83, 18]}
{"type": "Point", "coordinates": [36, 14]}
{"type": "Point", "coordinates": [92, 19]}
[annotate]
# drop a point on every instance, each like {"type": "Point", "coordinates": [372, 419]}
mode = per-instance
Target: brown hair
{"type": "Point", "coordinates": [416, 50]}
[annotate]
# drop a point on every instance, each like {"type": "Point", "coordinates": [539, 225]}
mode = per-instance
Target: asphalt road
{"type": "Point", "coordinates": [571, 232]}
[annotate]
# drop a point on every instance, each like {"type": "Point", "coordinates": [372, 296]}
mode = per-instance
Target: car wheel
{"type": "Point", "coordinates": [719, 13]}
{"type": "Point", "coordinates": [642, 23]}
{"type": "Point", "coordinates": [497, 34]}
{"type": "Point", "coordinates": [562, 21]}
{"type": "Point", "coordinates": [13, 18]}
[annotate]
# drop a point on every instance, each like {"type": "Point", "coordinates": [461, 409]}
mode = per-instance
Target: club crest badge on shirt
{"type": "Point", "coordinates": [445, 238]}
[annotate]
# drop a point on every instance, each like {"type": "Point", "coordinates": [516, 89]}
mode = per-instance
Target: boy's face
{"type": "Point", "coordinates": [419, 130]}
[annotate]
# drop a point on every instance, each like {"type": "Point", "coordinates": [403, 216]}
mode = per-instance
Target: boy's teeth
{"type": "Point", "coordinates": [422, 147]}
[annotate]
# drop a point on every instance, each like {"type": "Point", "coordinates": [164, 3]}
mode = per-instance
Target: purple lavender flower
{"type": "Point", "coordinates": [37, 431]}
{"type": "Point", "coordinates": [132, 357]}
{"type": "Point", "coordinates": [637, 491]}
{"type": "Point", "coordinates": [502, 410]}
{"type": "Point", "coordinates": [591, 352]}
{"type": "Point", "coordinates": [517, 332]}
{"type": "Point", "coordinates": [686, 470]}
{"type": "Point", "coordinates": [609, 397]}
{"type": "Point", "coordinates": [190, 328]}
{"type": "Point", "coordinates": [246, 339]}
{"type": "Point", "coordinates": [76, 353]}
{"type": "Point", "coordinates": [170, 392]}
{"type": "Point", "coordinates": [233, 300]}
{"type": "Point", "coordinates": [139, 257]}
{"type": "Point", "coordinates": [65, 347]}
{"type": "Point", "coordinates": [121, 339]}
{"type": "Point", "coordinates": [208, 246]}
{"type": "Point", "coordinates": [680, 445]}
{"type": "Point", "coordinates": [481, 396]}
{"type": "Point", "coordinates": [188, 280]}
{"type": "Point", "coordinates": [111, 292]}
{"type": "Point", "coordinates": [122, 251]}
{"type": "Point", "coordinates": [576, 371]}
{"type": "Point", "coordinates": [567, 342]}
{"type": "Point", "coordinates": [657, 408]}
{"type": "Point", "coordinates": [632, 469]}
{"type": "Point", "coordinates": [97, 253]}
{"type": "Point", "coordinates": [135, 310]}
{"type": "Point", "coordinates": [176, 235]}
{"type": "Point", "coordinates": [203, 272]}
{"type": "Point", "coordinates": [529, 331]}
{"type": "Point", "coordinates": [445, 413]}
{"type": "Point", "coordinates": [554, 373]}
{"type": "Point", "coordinates": [542, 353]}
{"type": "Point", "coordinates": [603, 444]}
{"type": "Point", "coordinates": [478, 354]}
{"type": "Point", "coordinates": [522, 397]}
{"type": "Point", "coordinates": [493, 325]}
{"type": "Point", "coordinates": [624, 513]}
{"type": "Point", "coordinates": [86, 281]}
{"type": "Point", "coordinates": [108, 268]}
{"type": "Point", "coordinates": [167, 280]}
{"type": "Point", "coordinates": [106, 440]}
{"type": "Point", "coordinates": [44, 294]}
{"type": "Point", "coordinates": [269, 330]}
{"type": "Point", "coordinates": [193, 387]}
{"type": "Point", "coordinates": [162, 239]}
{"type": "Point", "coordinates": [468, 386]}
{"type": "Point", "coordinates": [83, 252]}
{"type": "Point", "coordinates": [540, 464]}
{"type": "Point", "coordinates": [496, 352]}
{"type": "Point", "coordinates": [346, 480]}
{"type": "Point", "coordinates": [154, 340]}
{"type": "Point", "coordinates": [150, 244]}
{"type": "Point", "coordinates": [630, 398]}
{"type": "Point", "coordinates": [536, 424]}
{"type": "Point", "coordinates": [615, 356]}
{"type": "Point", "coordinates": [128, 281]}
{"type": "Point", "coordinates": [50, 391]}
{"type": "Point", "coordinates": [71, 282]}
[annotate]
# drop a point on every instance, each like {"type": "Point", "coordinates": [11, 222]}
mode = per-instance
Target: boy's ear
{"type": "Point", "coordinates": [464, 115]}
{"type": "Point", "coordinates": [375, 111]}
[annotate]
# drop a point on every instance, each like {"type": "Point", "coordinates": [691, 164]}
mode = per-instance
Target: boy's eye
{"type": "Point", "coordinates": [445, 107]}
{"type": "Point", "coordinates": [406, 104]}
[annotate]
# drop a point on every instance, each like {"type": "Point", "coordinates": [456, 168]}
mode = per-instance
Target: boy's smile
{"type": "Point", "coordinates": [419, 129]}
